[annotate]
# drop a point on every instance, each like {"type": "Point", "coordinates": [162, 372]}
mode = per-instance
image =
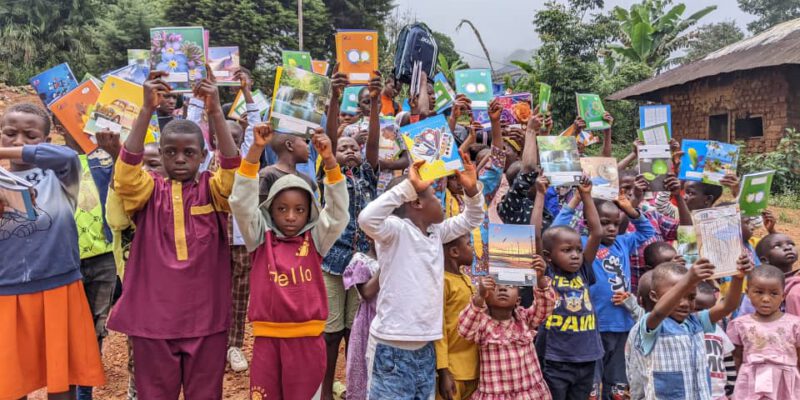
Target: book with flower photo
{"type": "Point", "coordinates": [181, 52]}
{"type": "Point", "coordinates": [224, 62]}
{"type": "Point", "coordinates": [516, 108]}
{"type": "Point", "coordinates": [54, 83]}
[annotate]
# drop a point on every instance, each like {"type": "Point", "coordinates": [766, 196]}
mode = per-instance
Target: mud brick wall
{"type": "Point", "coordinates": [770, 93]}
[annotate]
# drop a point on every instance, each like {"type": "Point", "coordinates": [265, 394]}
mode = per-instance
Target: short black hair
{"type": "Point", "coordinates": [765, 244]}
{"type": "Point", "coordinates": [668, 268]}
{"type": "Point", "coordinates": [399, 211]}
{"type": "Point", "coordinates": [605, 204]}
{"type": "Point", "coordinates": [652, 251]}
{"type": "Point", "coordinates": [226, 109]}
{"type": "Point", "coordinates": [30, 108]}
{"type": "Point", "coordinates": [767, 271]}
{"type": "Point", "coordinates": [706, 287]}
{"type": "Point", "coordinates": [549, 235]}
{"type": "Point", "coordinates": [183, 127]}
{"type": "Point", "coordinates": [708, 189]}
{"type": "Point", "coordinates": [627, 172]}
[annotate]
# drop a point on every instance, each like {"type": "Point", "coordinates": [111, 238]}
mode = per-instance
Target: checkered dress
{"type": "Point", "coordinates": [509, 366]}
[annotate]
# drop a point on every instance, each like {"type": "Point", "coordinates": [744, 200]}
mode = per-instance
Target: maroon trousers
{"type": "Point", "coordinates": [287, 369]}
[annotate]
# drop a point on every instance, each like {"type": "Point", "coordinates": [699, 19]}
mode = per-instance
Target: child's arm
{"type": "Point", "coordinates": [373, 135]}
{"type": "Point", "coordinates": [592, 220]}
{"type": "Point", "coordinates": [491, 173]}
{"type": "Point", "coordinates": [442, 347]}
{"type": "Point", "coordinates": [530, 152]}
{"type": "Point", "coordinates": [631, 157]}
{"type": "Point", "coordinates": [60, 159]}
{"type": "Point", "coordinates": [461, 105]}
{"type": "Point", "coordinates": [369, 289]}
{"type": "Point", "coordinates": [402, 162]}
{"type": "Point", "coordinates": [334, 217]}
{"type": "Point", "coordinates": [630, 304]}
{"type": "Point", "coordinates": [734, 297]}
{"type": "Point", "coordinates": [644, 229]}
{"type": "Point", "coordinates": [673, 185]}
{"type": "Point", "coordinates": [545, 297]}
{"type": "Point", "coordinates": [338, 82]}
{"type": "Point", "coordinates": [472, 217]}
{"type": "Point", "coordinates": [253, 116]}
{"type": "Point", "coordinates": [738, 351]}
{"type": "Point", "coordinates": [538, 210]}
{"type": "Point", "coordinates": [769, 222]}
{"type": "Point", "coordinates": [700, 271]}
{"type": "Point", "coordinates": [373, 219]}
{"type": "Point", "coordinates": [607, 135]}
{"type": "Point", "coordinates": [730, 373]}
{"type": "Point", "coordinates": [567, 213]}
{"type": "Point", "coordinates": [731, 181]}
{"type": "Point", "coordinates": [244, 196]}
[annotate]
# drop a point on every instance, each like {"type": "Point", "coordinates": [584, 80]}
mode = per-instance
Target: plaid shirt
{"type": "Point", "coordinates": [666, 231]}
{"type": "Point", "coordinates": [509, 367]}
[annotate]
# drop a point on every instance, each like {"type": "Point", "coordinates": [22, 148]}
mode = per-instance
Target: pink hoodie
{"type": "Point", "coordinates": [793, 295]}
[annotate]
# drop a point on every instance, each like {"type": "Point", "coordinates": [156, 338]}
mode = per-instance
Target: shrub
{"type": "Point", "coordinates": [785, 160]}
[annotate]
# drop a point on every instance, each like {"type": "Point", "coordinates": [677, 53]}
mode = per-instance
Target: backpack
{"type": "Point", "coordinates": [415, 43]}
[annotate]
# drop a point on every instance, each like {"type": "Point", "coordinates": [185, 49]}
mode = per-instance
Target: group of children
{"type": "Point", "coordinates": [202, 237]}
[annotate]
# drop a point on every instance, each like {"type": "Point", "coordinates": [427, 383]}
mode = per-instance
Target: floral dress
{"type": "Point", "coordinates": [360, 270]}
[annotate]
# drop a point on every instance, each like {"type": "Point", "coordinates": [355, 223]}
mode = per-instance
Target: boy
{"type": "Point", "coordinates": [696, 196]}
{"type": "Point", "coordinates": [569, 343]}
{"type": "Point", "coordinates": [166, 109]}
{"type": "Point", "coordinates": [456, 357]}
{"type": "Point", "coordinates": [176, 302]}
{"type": "Point", "coordinates": [667, 345]}
{"type": "Point", "coordinates": [409, 229]}
{"type": "Point", "coordinates": [779, 249]}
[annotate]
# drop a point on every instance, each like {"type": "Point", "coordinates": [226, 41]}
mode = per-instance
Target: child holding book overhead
{"type": "Point", "coordinates": [505, 331]}
{"type": "Point", "coordinates": [47, 335]}
{"type": "Point", "coordinates": [766, 341]}
{"type": "Point", "coordinates": [409, 229]}
{"type": "Point", "coordinates": [177, 299]}
{"type": "Point", "coordinates": [288, 236]}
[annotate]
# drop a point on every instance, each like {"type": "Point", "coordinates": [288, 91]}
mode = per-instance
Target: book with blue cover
{"type": "Point", "coordinates": [655, 115]}
{"type": "Point", "coordinates": [350, 100]}
{"type": "Point", "coordinates": [54, 83]}
{"type": "Point", "coordinates": [431, 140]}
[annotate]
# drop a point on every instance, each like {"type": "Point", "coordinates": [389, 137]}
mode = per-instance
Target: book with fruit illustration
{"type": "Point", "coordinates": [655, 162]}
{"type": "Point", "coordinates": [693, 159]}
{"type": "Point", "coordinates": [476, 84]}
{"type": "Point", "coordinates": [591, 109]}
{"type": "Point", "coordinates": [754, 194]}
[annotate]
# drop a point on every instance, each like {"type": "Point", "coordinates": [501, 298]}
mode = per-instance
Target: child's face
{"type": "Point", "coordinates": [567, 251]}
{"type": "Point", "coordinates": [167, 104]}
{"type": "Point", "coordinates": [747, 230]}
{"type": "Point", "coordinates": [504, 297]}
{"type": "Point", "coordinates": [687, 303]}
{"type": "Point", "coordinates": [454, 186]}
{"type": "Point", "coordinates": [610, 221]}
{"type": "Point", "coordinates": [643, 292]}
{"type": "Point", "coordinates": [666, 254]}
{"type": "Point", "coordinates": [704, 301]}
{"type": "Point", "coordinates": [18, 129]}
{"type": "Point", "coordinates": [766, 294]}
{"type": "Point", "coordinates": [346, 119]}
{"type": "Point", "coordinates": [461, 251]}
{"type": "Point", "coordinates": [364, 102]}
{"type": "Point", "coordinates": [182, 154]}
{"type": "Point", "coordinates": [348, 152]}
{"type": "Point", "coordinates": [290, 211]}
{"type": "Point", "coordinates": [694, 196]}
{"type": "Point", "coordinates": [299, 148]}
{"type": "Point", "coordinates": [781, 252]}
{"type": "Point", "coordinates": [151, 160]}
{"type": "Point", "coordinates": [511, 153]}
{"type": "Point", "coordinates": [429, 207]}
{"type": "Point", "coordinates": [627, 184]}
{"type": "Point", "coordinates": [236, 132]}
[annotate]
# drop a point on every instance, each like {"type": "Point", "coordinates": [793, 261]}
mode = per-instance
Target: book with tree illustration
{"type": "Point", "coordinates": [224, 62]}
{"type": "Point", "coordinates": [655, 162]}
{"type": "Point", "coordinates": [719, 237]}
{"type": "Point", "coordinates": [116, 108]}
{"type": "Point", "coordinates": [319, 67]}
{"type": "Point", "coordinates": [299, 101]}
{"type": "Point", "coordinates": [431, 140]}
{"type": "Point", "coordinates": [590, 108]}
{"type": "Point", "coordinates": [357, 54]}
{"type": "Point", "coordinates": [54, 83]}
{"type": "Point", "coordinates": [181, 52]}
{"type": "Point", "coordinates": [297, 59]}
{"type": "Point", "coordinates": [560, 159]}
{"type": "Point", "coordinates": [350, 100]}
{"type": "Point", "coordinates": [755, 192]}
{"type": "Point", "coordinates": [443, 93]}
{"type": "Point", "coordinates": [516, 108]}
{"type": "Point", "coordinates": [239, 106]}
{"type": "Point", "coordinates": [476, 84]}
{"type": "Point", "coordinates": [511, 250]}
{"type": "Point", "coordinates": [72, 111]}
{"type": "Point", "coordinates": [17, 197]}
{"type": "Point", "coordinates": [603, 173]}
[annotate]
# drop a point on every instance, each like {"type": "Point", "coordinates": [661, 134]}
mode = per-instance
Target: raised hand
{"type": "Point", "coordinates": [495, 111]}
{"type": "Point", "coordinates": [322, 143]}
{"type": "Point", "coordinates": [585, 186]}
{"type": "Point", "coordinates": [769, 221]}
{"type": "Point", "coordinates": [416, 180]}
{"type": "Point", "coordinates": [245, 79]}
{"type": "Point", "coordinates": [700, 271]}
{"type": "Point", "coordinates": [619, 297]}
{"type": "Point", "coordinates": [262, 134]}
{"type": "Point", "coordinates": [154, 88]}
{"type": "Point", "coordinates": [744, 265]}
{"type": "Point", "coordinates": [580, 124]}
{"type": "Point", "coordinates": [109, 142]}
{"type": "Point", "coordinates": [468, 178]}
{"type": "Point", "coordinates": [207, 91]}
{"type": "Point", "coordinates": [338, 82]}
{"type": "Point", "coordinates": [732, 182]}
{"type": "Point", "coordinates": [539, 265]}
{"type": "Point", "coordinates": [608, 118]}
{"type": "Point", "coordinates": [672, 184]}
{"type": "Point", "coordinates": [642, 184]}
{"type": "Point", "coordinates": [472, 135]}
{"type": "Point", "coordinates": [375, 86]}
{"type": "Point", "coordinates": [542, 183]}
{"type": "Point", "coordinates": [486, 285]}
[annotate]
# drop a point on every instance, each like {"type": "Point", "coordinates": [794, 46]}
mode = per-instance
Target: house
{"type": "Point", "coordinates": [748, 91]}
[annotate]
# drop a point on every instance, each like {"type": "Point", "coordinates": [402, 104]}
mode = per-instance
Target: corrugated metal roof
{"type": "Point", "coordinates": [776, 46]}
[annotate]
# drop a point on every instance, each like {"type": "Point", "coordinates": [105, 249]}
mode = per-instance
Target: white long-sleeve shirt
{"type": "Point", "coordinates": [409, 307]}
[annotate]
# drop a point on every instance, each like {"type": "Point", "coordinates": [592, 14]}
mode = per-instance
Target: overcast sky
{"type": "Point", "coordinates": [506, 25]}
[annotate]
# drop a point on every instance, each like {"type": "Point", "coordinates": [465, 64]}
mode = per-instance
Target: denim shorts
{"type": "Point", "coordinates": [403, 374]}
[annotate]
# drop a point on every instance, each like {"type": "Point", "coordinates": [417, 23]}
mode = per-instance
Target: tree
{"type": "Point", "coordinates": [480, 40]}
{"type": "Point", "coordinates": [447, 48]}
{"type": "Point", "coordinates": [709, 38]}
{"type": "Point", "coordinates": [651, 32]}
{"type": "Point", "coordinates": [769, 12]}
{"type": "Point", "coordinates": [38, 34]}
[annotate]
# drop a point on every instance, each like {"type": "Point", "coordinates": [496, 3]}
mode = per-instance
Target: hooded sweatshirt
{"type": "Point", "coordinates": [287, 294]}
{"type": "Point", "coordinates": [792, 291]}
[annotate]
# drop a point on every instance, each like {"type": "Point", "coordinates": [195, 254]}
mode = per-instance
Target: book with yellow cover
{"type": "Point", "coordinates": [357, 54]}
{"type": "Point", "coordinates": [117, 107]}
{"type": "Point", "coordinates": [71, 110]}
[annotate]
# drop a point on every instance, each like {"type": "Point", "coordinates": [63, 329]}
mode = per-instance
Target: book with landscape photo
{"type": "Point", "coordinates": [181, 52]}
{"type": "Point", "coordinates": [604, 175]}
{"type": "Point", "coordinates": [134, 73]}
{"type": "Point", "coordinates": [431, 140]}
{"type": "Point", "coordinates": [721, 159]}
{"type": "Point", "coordinates": [476, 84]}
{"type": "Point", "coordinates": [299, 101]}
{"type": "Point", "coordinates": [511, 251]}
{"type": "Point", "coordinates": [560, 159]}
{"type": "Point", "coordinates": [72, 111]}
{"type": "Point", "coordinates": [590, 108]}
{"type": "Point", "coordinates": [357, 54]}
{"type": "Point", "coordinates": [54, 83]}
{"type": "Point", "coordinates": [139, 56]}
{"type": "Point", "coordinates": [224, 62]}
{"type": "Point", "coordinates": [239, 106]}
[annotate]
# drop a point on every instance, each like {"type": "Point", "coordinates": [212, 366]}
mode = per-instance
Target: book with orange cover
{"type": "Point", "coordinates": [319, 67]}
{"type": "Point", "coordinates": [357, 54]}
{"type": "Point", "coordinates": [71, 110]}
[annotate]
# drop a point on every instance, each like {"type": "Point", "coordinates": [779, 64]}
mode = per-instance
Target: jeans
{"type": "Point", "coordinates": [403, 374]}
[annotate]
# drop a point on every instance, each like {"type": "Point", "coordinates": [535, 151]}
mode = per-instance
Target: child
{"type": "Point", "coordinates": [409, 229]}
{"type": "Point", "coordinates": [361, 273]}
{"type": "Point", "coordinates": [505, 332]}
{"type": "Point", "coordinates": [291, 150]}
{"type": "Point", "coordinates": [766, 341]}
{"type": "Point", "coordinates": [612, 270]}
{"type": "Point", "coordinates": [288, 236]}
{"type": "Point", "coordinates": [456, 357]}
{"type": "Point", "coordinates": [46, 330]}
{"type": "Point", "coordinates": [666, 348]}
{"type": "Point", "coordinates": [166, 109]}
{"type": "Point", "coordinates": [177, 299]}
{"type": "Point", "coordinates": [779, 250]}
{"type": "Point", "coordinates": [569, 343]}
{"type": "Point", "coordinates": [719, 348]}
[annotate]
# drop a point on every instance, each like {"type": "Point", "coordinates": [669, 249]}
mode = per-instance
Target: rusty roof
{"type": "Point", "coordinates": [776, 46]}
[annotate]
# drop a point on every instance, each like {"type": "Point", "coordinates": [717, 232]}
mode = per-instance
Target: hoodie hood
{"type": "Point", "coordinates": [285, 182]}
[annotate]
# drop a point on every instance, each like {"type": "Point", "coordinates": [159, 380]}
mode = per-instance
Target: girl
{"type": "Point", "coordinates": [509, 368]}
{"type": "Point", "coordinates": [766, 341]}
{"type": "Point", "coordinates": [361, 273]}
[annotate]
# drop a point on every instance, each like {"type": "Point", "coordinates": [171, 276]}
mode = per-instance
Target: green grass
{"type": "Point", "coordinates": [786, 200]}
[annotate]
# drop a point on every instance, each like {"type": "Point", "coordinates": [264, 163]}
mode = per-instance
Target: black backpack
{"type": "Point", "coordinates": [415, 43]}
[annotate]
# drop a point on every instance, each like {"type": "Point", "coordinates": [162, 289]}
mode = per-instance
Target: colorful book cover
{"type": "Point", "coordinates": [54, 83]}
{"type": "Point", "coordinates": [686, 245]}
{"type": "Point", "coordinates": [357, 54]}
{"type": "Point", "coordinates": [297, 59]}
{"type": "Point", "coordinates": [721, 159]}
{"type": "Point", "coordinates": [350, 100]}
{"type": "Point", "coordinates": [72, 111]}
{"type": "Point", "coordinates": [481, 116]}
{"type": "Point", "coordinates": [719, 237]}
{"type": "Point", "coordinates": [239, 106]}
{"type": "Point", "coordinates": [560, 159]}
{"type": "Point", "coordinates": [391, 143]}
{"type": "Point", "coordinates": [299, 101]}
{"type": "Point", "coordinates": [755, 192]}
{"type": "Point", "coordinates": [153, 130]}
{"type": "Point", "coordinates": [516, 108]}
{"type": "Point", "coordinates": [319, 67]}
{"type": "Point", "coordinates": [431, 140]}
{"type": "Point", "coordinates": [590, 108]}
{"type": "Point", "coordinates": [117, 107]}
{"type": "Point", "coordinates": [658, 134]}
{"type": "Point", "coordinates": [545, 91]}
{"type": "Point", "coordinates": [132, 73]}
{"type": "Point", "coordinates": [586, 138]}
{"type": "Point", "coordinates": [17, 197]}
{"type": "Point", "coordinates": [604, 175]}
{"type": "Point", "coordinates": [443, 93]}
{"type": "Point", "coordinates": [224, 62]}
{"type": "Point", "coordinates": [180, 51]}
{"type": "Point", "coordinates": [511, 251]}
{"type": "Point", "coordinates": [655, 115]}
{"type": "Point", "coordinates": [89, 77]}
{"type": "Point", "coordinates": [693, 159]}
{"type": "Point", "coordinates": [139, 56]}
{"type": "Point", "coordinates": [655, 162]}
{"type": "Point", "coordinates": [476, 84]}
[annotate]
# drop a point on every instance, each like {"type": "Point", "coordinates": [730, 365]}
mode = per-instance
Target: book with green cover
{"type": "Point", "coordinates": [544, 98]}
{"type": "Point", "coordinates": [755, 191]}
{"type": "Point", "coordinates": [590, 108]}
{"type": "Point", "coordinates": [350, 100]}
{"type": "Point", "coordinates": [476, 84]}
{"type": "Point", "coordinates": [239, 107]}
{"type": "Point", "coordinates": [443, 93]}
{"type": "Point", "coordinates": [658, 134]}
{"type": "Point", "coordinates": [297, 59]}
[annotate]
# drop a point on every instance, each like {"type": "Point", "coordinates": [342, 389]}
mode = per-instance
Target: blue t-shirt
{"type": "Point", "coordinates": [612, 269]}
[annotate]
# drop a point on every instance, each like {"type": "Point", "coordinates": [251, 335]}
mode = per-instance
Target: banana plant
{"type": "Point", "coordinates": [449, 69]}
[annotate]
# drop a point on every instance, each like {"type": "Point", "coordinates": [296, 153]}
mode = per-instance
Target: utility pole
{"type": "Point", "coordinates": [300, 23]}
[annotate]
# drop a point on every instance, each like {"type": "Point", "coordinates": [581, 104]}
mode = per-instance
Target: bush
{"type": "Point", "coordinates": [785, 160]}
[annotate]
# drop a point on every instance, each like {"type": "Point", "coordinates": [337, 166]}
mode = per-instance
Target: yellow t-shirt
{"type": "Point", "coordinates": [454, 352]}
